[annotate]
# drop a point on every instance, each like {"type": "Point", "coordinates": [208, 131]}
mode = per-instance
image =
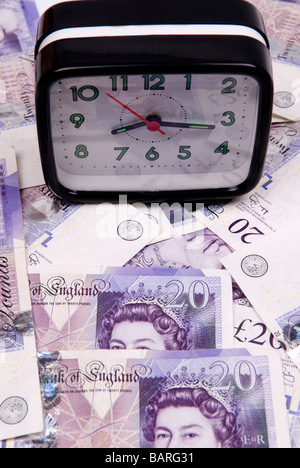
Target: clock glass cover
{"type": "Point", "coordinates": [153, 132]}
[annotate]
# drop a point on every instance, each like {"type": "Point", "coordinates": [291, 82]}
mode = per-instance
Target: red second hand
{"type": "Point", "coordinates": [149, 126]}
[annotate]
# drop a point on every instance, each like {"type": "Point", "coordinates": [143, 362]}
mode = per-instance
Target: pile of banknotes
{"type": "Point", "coordinates": [148, 326]}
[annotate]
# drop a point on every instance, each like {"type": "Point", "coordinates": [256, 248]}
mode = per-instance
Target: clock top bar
{"type": "Point", "coordinates": [152, 30]}
{"type": "Point", "coordinates": [94, 13]}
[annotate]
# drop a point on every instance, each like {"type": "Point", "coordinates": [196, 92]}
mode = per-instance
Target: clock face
{"type": "Point", "coordinates": [153, 132]}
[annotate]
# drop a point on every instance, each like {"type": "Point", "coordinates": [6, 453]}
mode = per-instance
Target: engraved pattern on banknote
{"type": "Point", "coordinates": [130, 230]}
{"type": "Point", "coordinates": [254, 266]}
{"type": "Point", "coordinates": [13, 410]}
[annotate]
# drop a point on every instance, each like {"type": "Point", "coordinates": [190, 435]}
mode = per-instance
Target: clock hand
{"type": "Point", "coordinates": [155, 118]}
{"type": "Point", "coordinates": [126, 128]}
{"type": "Point", "coordinates": [188, 125]}
{"type": "Point", "coordinates": [153, 126]}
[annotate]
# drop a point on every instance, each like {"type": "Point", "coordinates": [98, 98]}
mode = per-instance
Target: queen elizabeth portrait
{"type": "Point", "coordinates": [189, 418]}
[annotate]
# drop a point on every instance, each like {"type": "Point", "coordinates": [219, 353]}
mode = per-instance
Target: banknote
{"type": "Point", "coordinates": [268, 274]}
{"type": "Point", "coordinates": [20, 401]}
{"type": "Point", "coordinates": [286, 90]}
{"type": "Point", "coordinates": [18, 23]}
{"type": "Point", "coordinates": [126, 308]}
{"type": "Point", "coordinates": [92, 235]}
{"type": "Point", "coordinates": [282, 25]}
{"type": "Point", "coordinates": [25, 141]}
{"type": "Point", "coordinates": [131, 399]}
{"type": "Point", "coordinates": [17, 93]}
{"type": "Point", "coordinates": [263, 210]}
{"type": "Point", "coordinates": [200, 249]}
{"type": "Point", "coordinates": [291, 375]}
{"type": "Point", "coordinates": [252, 333]}
{"type": "Point", "coordinates": [43, 211]}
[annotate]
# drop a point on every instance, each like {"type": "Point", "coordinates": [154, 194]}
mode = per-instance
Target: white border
{"type": "Point", "coordinates": [153, 30]}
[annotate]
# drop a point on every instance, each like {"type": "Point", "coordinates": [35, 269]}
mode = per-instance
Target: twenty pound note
{"type": "Point", "coordinates": [20, 400]}
{"type": "Point", "coordinates": [128, 308]}
{"type": "Point", "coordinates": [268, 273]}
{"type": "Point", "coordinates": [130, 399]}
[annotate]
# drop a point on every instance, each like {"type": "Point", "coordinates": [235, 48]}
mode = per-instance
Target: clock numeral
{"type": "Point", "coordinates": [188, 78]}
{"type": "Point", "coordinates": [223, 148]}
{"type": "Point", "coordinates": [152, 155]}
{"type": "Point", "coordinates": [77, 120]}
{"type": "Point", "coordinates": [231, 118]}
{"type": "Point", "coordinates": [85, 93]}
{"type": "Point", "coordinates": [122, 153]}
{"type": "Point", "coordinates": [114, 84]}
{"type": "Point", "coordinates": [186, 153]}
{"type": "Point", "coordinates": [229, 89]}
{"type": "Point", "coordinates": [81, 152]}
{"type": "Point", "coordinates": [156, 86]}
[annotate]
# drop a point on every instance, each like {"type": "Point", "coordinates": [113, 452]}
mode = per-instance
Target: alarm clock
{"type": "Point", "coordinates": [164, 101]}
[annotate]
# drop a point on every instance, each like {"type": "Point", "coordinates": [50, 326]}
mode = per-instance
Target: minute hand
{"type": "Point", "coordinates": [187, 125]}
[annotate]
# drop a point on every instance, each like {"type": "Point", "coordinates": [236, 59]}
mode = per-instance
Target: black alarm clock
{"type": "Point", "coordinates": [163, 101]}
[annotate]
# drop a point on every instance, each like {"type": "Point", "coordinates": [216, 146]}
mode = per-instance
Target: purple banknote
{"type": "Point", "coordinates": [130, 399]}
{"type": "Point", "coordinates": [20, 400]}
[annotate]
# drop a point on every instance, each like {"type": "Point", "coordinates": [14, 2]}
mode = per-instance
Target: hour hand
{"type": "Point", "coordinates": [128, 127]}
